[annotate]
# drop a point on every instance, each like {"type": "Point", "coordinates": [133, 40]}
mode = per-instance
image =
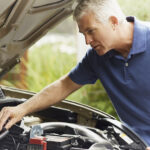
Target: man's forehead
{"type": "Point", "coordinates": [87, 24]}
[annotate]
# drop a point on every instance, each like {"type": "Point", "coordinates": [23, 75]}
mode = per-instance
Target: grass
{"type": "Point", "coordinates": [47, 64]}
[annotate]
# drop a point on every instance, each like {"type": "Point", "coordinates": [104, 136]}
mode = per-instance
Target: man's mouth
{"type": "Point", "coordinates": [95, 46]}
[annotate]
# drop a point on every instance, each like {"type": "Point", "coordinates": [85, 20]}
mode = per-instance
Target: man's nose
{"type": "Point", "coordinates": [88, 40]}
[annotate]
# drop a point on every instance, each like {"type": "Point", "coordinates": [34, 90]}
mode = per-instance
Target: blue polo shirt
{"type": "Point", "coordinates": [127, 81]}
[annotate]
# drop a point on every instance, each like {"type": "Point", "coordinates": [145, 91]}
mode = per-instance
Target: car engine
{"type": "Point", "coordinates": [65, 136]}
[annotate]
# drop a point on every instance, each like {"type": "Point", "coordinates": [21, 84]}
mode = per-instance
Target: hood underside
{"type": "Point", "coordinates": [23, 22]}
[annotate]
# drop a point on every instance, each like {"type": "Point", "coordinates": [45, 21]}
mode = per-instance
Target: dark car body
{"type": "Point", "coordinates": [67, 125]}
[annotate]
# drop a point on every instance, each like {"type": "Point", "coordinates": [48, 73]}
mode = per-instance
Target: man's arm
{"type": "Point", "coordinates": [50, 95]}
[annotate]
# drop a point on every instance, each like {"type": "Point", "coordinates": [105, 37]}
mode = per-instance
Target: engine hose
{"type": "Point", "coordinates": [80, 130]}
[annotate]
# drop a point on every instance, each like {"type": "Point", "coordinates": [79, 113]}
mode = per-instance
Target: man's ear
{"type": "Point", "coordinates": [113, 21]}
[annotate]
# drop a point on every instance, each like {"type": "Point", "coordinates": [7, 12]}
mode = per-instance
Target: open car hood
{"type": "Point", "coordinates": [23, 22]}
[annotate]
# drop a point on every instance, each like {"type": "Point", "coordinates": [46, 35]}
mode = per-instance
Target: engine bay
{"type": "Point", "coordinates": [66, 126]}
{"type": "Point", "coordinates": [65, 136]}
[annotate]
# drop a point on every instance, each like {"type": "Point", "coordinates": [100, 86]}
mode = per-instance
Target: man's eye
{"type": "Point", "coordinates": [90, 31]}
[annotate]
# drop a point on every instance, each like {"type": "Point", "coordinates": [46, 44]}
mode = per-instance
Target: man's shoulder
{"type": "Point", "coordinates": [145, 23]}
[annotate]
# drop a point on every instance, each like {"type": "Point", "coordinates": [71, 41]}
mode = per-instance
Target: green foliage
{"type": "Point", "coordinates": [46, 64]}
{"type": "Point", "coordinates": [138, 8]}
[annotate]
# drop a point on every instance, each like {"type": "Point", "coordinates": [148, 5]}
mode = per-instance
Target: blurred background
{"type": "Point", "coordinates": [58, 52]}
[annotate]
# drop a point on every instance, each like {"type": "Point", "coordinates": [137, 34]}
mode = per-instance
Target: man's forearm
{"type": "Point", "coordinates": [50, 95]}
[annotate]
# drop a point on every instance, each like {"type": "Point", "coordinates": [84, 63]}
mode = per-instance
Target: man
{"type": "Point", "coordinates": [120, 58]}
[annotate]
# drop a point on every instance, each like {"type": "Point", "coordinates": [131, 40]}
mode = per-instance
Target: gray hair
{"type": "Point", "coordinates": [103, 9]}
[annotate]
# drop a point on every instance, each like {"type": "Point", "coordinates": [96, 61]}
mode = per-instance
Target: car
{"type": "Point", "coordinates": [67, 125]}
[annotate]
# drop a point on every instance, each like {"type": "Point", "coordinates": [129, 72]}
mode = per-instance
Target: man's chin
{"type": "Point", "coordinates": [100, 52]}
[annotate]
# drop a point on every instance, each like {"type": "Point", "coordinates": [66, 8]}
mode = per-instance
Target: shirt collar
{"type": "Point", "coordinates": [139, 39]}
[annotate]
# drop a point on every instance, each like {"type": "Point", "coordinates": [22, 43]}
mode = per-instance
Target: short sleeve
{"type": "Point", "coordinates": [83, 73]}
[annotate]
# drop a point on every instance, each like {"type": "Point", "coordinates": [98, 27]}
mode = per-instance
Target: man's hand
{"type": "Point", "coordinates": [9, 116]}
{"type": "Point", "coordinates": [148, 148]}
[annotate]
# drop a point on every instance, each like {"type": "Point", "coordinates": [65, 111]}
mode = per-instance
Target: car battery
{"type": "Point", "coordinates": [37, 143]}
{"type": "Point", "coordinates": [59, 143]}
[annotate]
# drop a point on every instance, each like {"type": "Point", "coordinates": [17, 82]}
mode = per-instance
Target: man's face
{"type": "Point", "coordinates": [99, 36]}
